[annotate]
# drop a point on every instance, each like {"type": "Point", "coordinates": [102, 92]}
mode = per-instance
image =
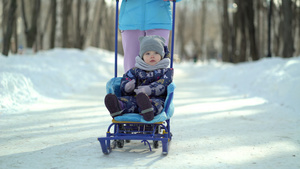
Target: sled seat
{"type": "Point", "coordinates": [132, 122]}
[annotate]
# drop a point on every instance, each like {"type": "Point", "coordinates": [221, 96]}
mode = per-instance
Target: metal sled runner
{"type": "Point", "coordinates": [135, 131]}
{"type": "Point", "coordinates": [132, 126]}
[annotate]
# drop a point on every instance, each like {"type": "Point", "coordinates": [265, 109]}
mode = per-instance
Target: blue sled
{"type": "Point", "coordinates": [133, 127]}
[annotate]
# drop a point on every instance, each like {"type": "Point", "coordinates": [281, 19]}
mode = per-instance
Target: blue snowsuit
{"type": "Point", "coordinates": [158, 80]}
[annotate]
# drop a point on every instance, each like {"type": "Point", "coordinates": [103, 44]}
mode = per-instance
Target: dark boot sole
{"type": "Point", "coordinates": [145, 105]}
{"type": "Point", "coordinates": [112, 104]}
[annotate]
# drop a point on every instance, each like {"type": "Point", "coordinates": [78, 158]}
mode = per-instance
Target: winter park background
{"type": "Point", "coordinates": [226, 116]}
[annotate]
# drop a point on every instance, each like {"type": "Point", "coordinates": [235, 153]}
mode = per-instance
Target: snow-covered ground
{"type": "Point", "coordinates": [226, 116]}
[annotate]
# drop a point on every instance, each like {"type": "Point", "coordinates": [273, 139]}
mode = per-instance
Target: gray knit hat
{"type": "Point", "coordinates": [152, 43]}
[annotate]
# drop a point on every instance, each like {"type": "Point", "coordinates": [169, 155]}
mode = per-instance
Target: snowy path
{"type": "Point", "coordinates": [213, 127]}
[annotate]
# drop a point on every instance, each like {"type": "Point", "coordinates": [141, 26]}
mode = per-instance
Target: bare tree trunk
{"type": "Point", "coordinates": [259, 36]}
{"type": "Point", "coordinates": [42, 31]}
{"type": "Point", "coordinates": [86, 22]}
{"type": "Point", "coordinates": [90, 33]}
{"type": "Point", "coordinates": [97, 32]}
{"type": "Point", "coordinates": [180, 32]}
{"type": "Point", "coordinates": [277, 33]}
{"type": "Point", "coordinates": [202, 36]}
{"type": "Point", "coordinates": [15, 35]}
{"type": "Point", "coordinates": [195, 31]}
{"type": "Point", "coordinates": [234, 27]}
{"type": "Point", "coordinates": [295, 32]}
{"type": "Point", "coordinates": [5, 6]}
{"type": "Point", "coordinates": [225, 33]}
{"type": "Point", "coordinates": [288, 48]}
{"type": "Point", "coordinates": [93, 33]}
{"type": "Point", "coordinates": [78, 27]}
{"type": "Point", "coordinates": [241, 56]}
{"type": "Point", "coordinates": [251, 29]}
{"type": "Point", "coordinates": [298, 16]}
{"type": "Point", "coordinates": [65, 23]}
{"type": "Point", "coordinates": [109, 32]}
{"type": "Point", "coordinates": [31, 32]}
{"type": "Point", "coordinates": [9, 28]}
{"type": "Point", "coordinates": [82, 27]}
{"type": "Point", "coordinates": [53, 24]}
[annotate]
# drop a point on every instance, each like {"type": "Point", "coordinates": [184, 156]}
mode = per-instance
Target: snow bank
{"type": "Point", "coordinates": [50, 74]}
{"type": "Point", "coordinates": [275, 79]}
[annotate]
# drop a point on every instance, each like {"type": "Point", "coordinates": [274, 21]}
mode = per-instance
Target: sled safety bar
{"type": "Point", "coordinates": [116, 35]}
{"type": "Point", "coordinates": [116, 38]}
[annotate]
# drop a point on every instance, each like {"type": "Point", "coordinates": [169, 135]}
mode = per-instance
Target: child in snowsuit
{"type": "Point", "coordinates": [144, 87]}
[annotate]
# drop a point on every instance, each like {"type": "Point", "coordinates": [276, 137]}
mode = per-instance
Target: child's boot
{"type": "Point", "coordinates": [112, 104]}
{"type": "Point", "coordinates": [145, 105]}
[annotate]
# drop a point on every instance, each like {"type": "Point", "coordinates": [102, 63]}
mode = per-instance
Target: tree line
{"type": "Point", "coordinates": [228, 30]}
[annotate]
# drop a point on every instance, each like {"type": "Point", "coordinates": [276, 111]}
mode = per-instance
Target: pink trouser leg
{"type": "Point", "coordinates": [131, 44]}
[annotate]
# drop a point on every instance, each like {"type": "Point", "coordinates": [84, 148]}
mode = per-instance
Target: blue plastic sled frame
{"type": "Point", "coordinates": [132, 126]}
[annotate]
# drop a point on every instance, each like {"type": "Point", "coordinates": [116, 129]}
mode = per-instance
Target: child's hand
{"type": "Point", "coordinates": [129, 86]}
{"type": "Point", "coordinates": [143, 89]}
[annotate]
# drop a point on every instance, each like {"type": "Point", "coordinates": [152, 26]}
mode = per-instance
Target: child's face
{"type": "Point", "coordinates": [151, 57]}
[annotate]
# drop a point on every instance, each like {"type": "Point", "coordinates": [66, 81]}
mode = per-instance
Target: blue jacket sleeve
{"type": "Point", "coordinates": [128, 76]}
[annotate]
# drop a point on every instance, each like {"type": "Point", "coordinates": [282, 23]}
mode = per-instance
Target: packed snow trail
{"type": "Point", "coordinates": [213, 127]}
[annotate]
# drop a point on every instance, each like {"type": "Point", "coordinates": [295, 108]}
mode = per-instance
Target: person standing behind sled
{"type": "Point", "coordinates": [144, 87]}
{"type": "Point", "coordinates": [143, 18]}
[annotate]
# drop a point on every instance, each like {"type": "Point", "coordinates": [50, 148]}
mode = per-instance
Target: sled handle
{"type": "Point", "coordinates": [116, 38]}
{"type": "Point", "coordinates": [173, 32]}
